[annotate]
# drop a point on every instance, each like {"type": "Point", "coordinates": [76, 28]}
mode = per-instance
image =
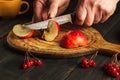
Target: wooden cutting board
{"type": "Point", "coordinates": [52, 49]}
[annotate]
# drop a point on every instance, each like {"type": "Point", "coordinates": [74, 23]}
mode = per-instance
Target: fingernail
{"type": "Point", "coordinates": [50, 15]}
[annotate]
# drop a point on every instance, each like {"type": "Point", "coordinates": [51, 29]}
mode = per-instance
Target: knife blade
{"type": "Point", "coordinates": [43, 24]}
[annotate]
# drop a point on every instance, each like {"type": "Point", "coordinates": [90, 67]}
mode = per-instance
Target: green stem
{"type": "Point", "coordinates": [93, 56]}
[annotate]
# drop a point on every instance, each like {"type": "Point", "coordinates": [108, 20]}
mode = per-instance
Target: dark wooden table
{"type": "Point", "coordinates": [55, 69]}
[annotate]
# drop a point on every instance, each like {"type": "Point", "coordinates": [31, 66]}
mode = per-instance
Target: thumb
{"type": "Point", "coordinates": [53, 9]}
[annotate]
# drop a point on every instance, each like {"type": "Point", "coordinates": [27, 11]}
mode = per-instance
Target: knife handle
{"type": "Point", "coordinates": [73, 16]}
{"type": "Point", "coordinates": [65, 18]}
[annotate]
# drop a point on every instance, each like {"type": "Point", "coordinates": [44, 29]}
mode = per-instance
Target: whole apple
{"type": "Point", "coordinates": [74, 38]}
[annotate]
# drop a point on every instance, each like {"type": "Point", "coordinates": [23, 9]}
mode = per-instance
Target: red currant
{"type": "Point", "coordinates": [84, 59]}
{"type": "Point", "coordinates": [118, 70]}
{"type": "Point", "coordinates": [35, 62]}
{"type": "Point", "coordinates": [39, 62]}
{"type": "Point", "coordinates": [106, 66]}
{"type": "Point", "coordinates": [115, 66]}
{"type": "Point", "coordinates": [92, 63]}
{"type": "Point", "coordinates": [25, 66]}
{"type": "Point", "coordinates": [28, 64]}
{"type": "Point", "coordinates": [113, 69]}
{"type": "Point", "coordinates": [31, 61]}
{"type": "Point", "coordinates": [85, 63]}
{"type": "Point", "coordinates": [116, 74]}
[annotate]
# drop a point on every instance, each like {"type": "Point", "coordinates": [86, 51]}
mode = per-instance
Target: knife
{"type": "Point", "coordinates": [43, 24]}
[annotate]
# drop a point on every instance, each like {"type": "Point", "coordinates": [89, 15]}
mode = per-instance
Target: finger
{"type": "Point", "coordinates": [105, 16]}
{"type": "Point", "coordinates": [45, 13]}
{"type": "Point", "coordinates": [80, 15]}
{"type": "Point", "coordinates": [38, 7]}
{"type": "Point", "coordinates": [107, 12]}
{"type": "Point", "coordinates": [89, 17]}
{"type": "Point", "coordinates": [53, 8]}
{"type": "Point", "coordinates": [62, 6]}
{"type": "Point", "coordinates": [98, 16]}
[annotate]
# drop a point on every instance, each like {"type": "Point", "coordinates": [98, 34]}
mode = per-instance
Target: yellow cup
{"type": "Point", "coordinates": [11, 8]}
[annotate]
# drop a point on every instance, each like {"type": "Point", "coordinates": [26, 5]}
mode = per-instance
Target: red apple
{"type": "Point", "coordinates": [74, 38]}
{"type": "Point", "coordinates": [22, 32]}
{"type": "Point", "coordinates": [52, 31]}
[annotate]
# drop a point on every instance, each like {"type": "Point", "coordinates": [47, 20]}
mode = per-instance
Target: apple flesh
{"type": "Point", "coordinates": [52, 31]}
{"type": "Point", "coordinates": [74, 38]}
{"type": "Point", "coordinates": [22, 32]}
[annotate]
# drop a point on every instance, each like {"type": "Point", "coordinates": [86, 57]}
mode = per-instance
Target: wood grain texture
{"type": "Point", "coordinates": [55, 69]}
{"type": "Point", "coordinates": [42, 47]}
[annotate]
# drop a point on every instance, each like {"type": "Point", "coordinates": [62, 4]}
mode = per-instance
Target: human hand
{"type": "Point", "coordinates": [90, 12]}
{"type": "Point", "coordinates": [43, 9]}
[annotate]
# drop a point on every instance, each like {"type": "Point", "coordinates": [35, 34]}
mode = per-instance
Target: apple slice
{"type": "Point", "coordinates": [22, 32]}
{"type": "Point", "coordinates": [74, 38]}
{"type": "Point", "coordinates": [52, 31]}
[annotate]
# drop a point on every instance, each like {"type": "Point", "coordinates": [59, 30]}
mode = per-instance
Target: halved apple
{"type": "Point", "coordinates": [74, 38]}
{"type": "Point", "coordinates": [52, 31]}
{"type": "Point", "coordinates": [22, 32]}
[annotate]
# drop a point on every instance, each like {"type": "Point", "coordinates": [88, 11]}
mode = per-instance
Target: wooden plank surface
{"type": "Point", "coordinates": [110, 30]}
{"type": "Point", "coordinates": [54, 69]}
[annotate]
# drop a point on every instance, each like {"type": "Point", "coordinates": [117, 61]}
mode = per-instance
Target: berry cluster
{"type": "Point", "coordinates": [112, 69]}
{"type": "Point", "coordinates": [86, 63]}
{"type": "Point", "coordinates": [30, 60]}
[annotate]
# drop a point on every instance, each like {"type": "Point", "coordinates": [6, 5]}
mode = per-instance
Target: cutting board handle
{"type": "Point", "coordinates": [111, 47]}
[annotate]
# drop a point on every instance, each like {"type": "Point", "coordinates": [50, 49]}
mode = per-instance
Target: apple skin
{"type": "Point", "coordinates": [52, 31]}
{"type": "Point", "coordinates": [28, 35]}
{"type": "Point", "coordinates": [57, 25]}
{"type": "Point", "coordinates": [73, 38]}
{"type": "Point", "coordinates": [21, 32]}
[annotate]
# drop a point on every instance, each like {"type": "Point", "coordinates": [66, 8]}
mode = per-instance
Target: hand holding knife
{"type": "Point", "coordinates": [43, 24]}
